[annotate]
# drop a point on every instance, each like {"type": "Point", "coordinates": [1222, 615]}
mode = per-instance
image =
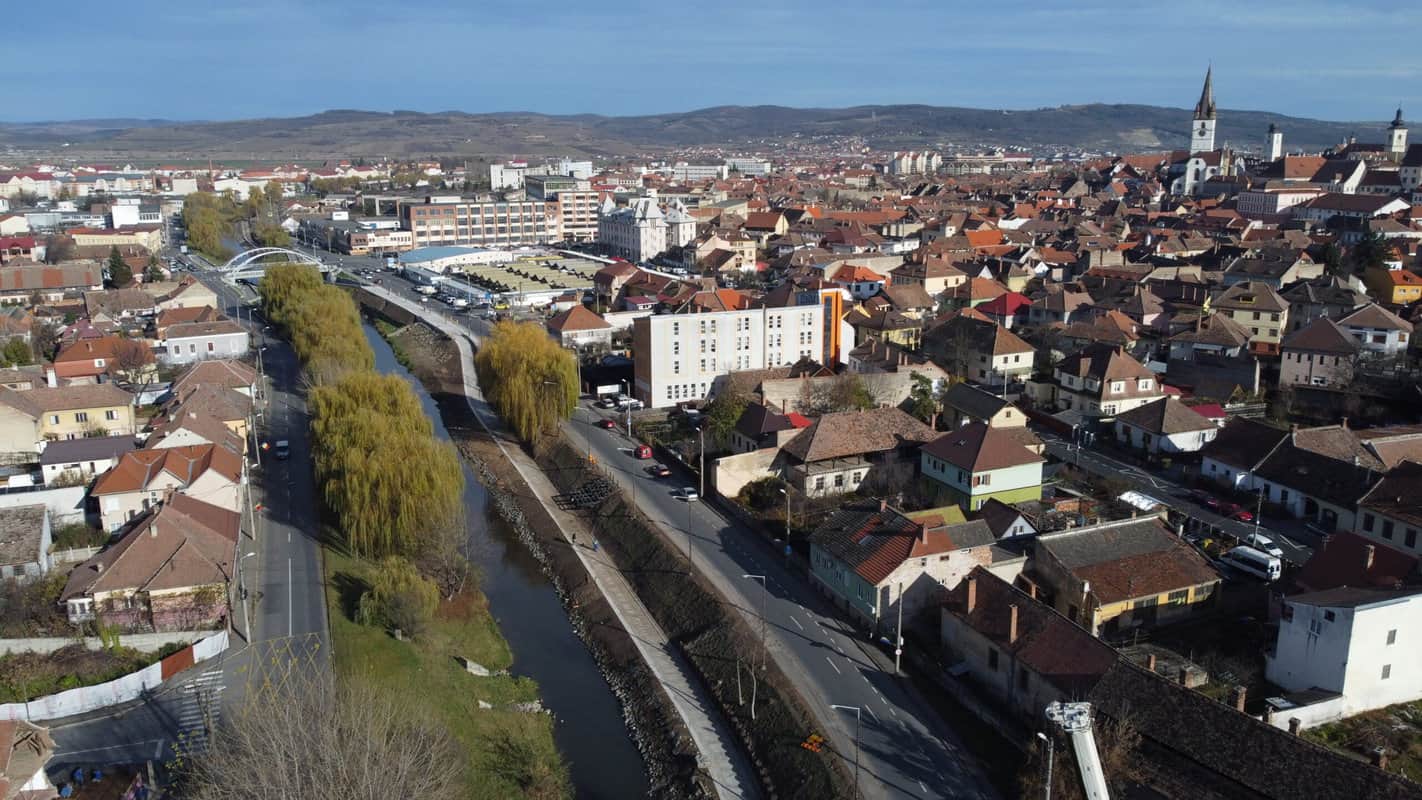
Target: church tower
{"type": "Point", "coordinates": [1275, 150]}
{"type": "Point", "coordinates": [1202, 135]}
{"type": "Point", "coordinates": [1397, 136]}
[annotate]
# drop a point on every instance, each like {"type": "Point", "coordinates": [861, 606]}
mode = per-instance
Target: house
{"type": "Point", "coordinates": [1359, 644]}
{"type": "Point", "coordinates": [25, 749]}
{"type": "Point", "coordinates": [979, 350]}
{"type": "Point", "coordinates": [1005, 521]}
{"type": "Point", "coordinates": [1328, 296]}
{"type": "Point", "coordinates": [1116, 576]}
{"type": "Point", "coordinates": [935, 275]}
{"type": "Point", "coordinates": [186, 342]}
{"type": "Point", "coordinates": [878, 562]}
{"type": "Point", "coordinates": [25, 542]}
{"type": "Point", "coordinates": [1378, 331]}
{"type": "Point", "coordinates": [580, 327]}
{"type": "Point", "coordinates": [69, 412]}
{"type": "Point", "coordinates": [975, 463]}
{"type": "Point", "coordinates": [1165, 426]}
{"type": "Point", "coordinates": [69, 462]}
{"type": "Point", "coordinates": [213, 401]}
{"type": "Point", "coordinates": [1216, 335]}
{"type": "Point", "coordinates": [1320, 354]}
{"type": "Point", "coordinates": [1256, 306]}
{"type": "Point", "coordinates": [1241, 446]}
{"type": "Point", "coordinates": [842, 451]}
{"type": "Point", "coordinates": [171, 572]}
{"type": "Point", "coordinates": [1007, 309]}
{"type": "Point", "coordinates": [227, 374]}
{"type": "Point", "coordinates": [761, 426]}
{"type": "Point", "coordinates": [19, 283]}
{"type": "Point", "coordinates": [1352, 559]}
{"type": "Point", "coordinates": [191, 428]}
{"type": "Point", "coordinates": [119, 303]}
{"type": "Point", "coordinates": [1391, 513]}
{"type": "Point", "coordinates": [1104, 380]}
{"type": "Point", "coordinates": [144, 478]}
{"type": "Point", "coordinates": [1396, 287]}
{"type": "Point", "coordinates": [964, 403]}
{"type": "Point", "coordinates": [186, 293]}
{"type": "Point", "coordinates": [176, 316]}
{"type": "Point", "coordinates": [101, 359]}
{"type": "Point", "coordinates": [1064, 305]}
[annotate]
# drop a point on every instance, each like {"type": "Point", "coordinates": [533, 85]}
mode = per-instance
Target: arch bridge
{"type": "Point", "coordinates": [251, 265]}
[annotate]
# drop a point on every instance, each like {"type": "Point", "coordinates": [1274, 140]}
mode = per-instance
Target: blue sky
{"type": "Point", "coordinates": [209, 59]}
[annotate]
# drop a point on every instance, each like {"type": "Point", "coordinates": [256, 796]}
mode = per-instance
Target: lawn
{"type": "Point", "coordinates": [511, 753]}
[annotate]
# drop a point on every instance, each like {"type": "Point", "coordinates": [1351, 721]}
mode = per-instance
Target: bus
{"type": "Point", "coordinates": [1248, 560]}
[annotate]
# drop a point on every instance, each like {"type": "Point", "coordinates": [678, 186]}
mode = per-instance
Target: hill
{"type": "Point", "coordinates": [1118, 128]}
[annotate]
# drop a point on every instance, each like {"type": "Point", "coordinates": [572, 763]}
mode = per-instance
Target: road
{"type": "Point", "coordinates": [285, 586]}
{"type": "Point", "coordinates": [1296, 549]}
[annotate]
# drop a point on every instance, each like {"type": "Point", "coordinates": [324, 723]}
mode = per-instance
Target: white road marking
{"type": "Point", "coordinates": [291, 598]}
{"type": "Point", "coordinates": [797, 623]}
{"type": "Point", "coordinates": [892, 712]}
{"type": "Point", "coordinates": [871, 713]}
{"type": "Point", "coordinates": [831, 663]}
{"type": "Point", "coordinates": [922, 787]}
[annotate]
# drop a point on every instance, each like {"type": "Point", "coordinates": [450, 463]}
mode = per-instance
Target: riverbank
{"type": "Point", "coordinates": [666, 748]}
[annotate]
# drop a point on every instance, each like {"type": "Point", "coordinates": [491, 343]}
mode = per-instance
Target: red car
{"type": "Point", "coordinates": [606, 424]}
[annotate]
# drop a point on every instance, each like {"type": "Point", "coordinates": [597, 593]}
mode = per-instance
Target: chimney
{"type": "Point", "coordinates": [1368, 552]}
{"type": "Point", "coordinates": [883, 505]}
{"type": "Point", "coordinates": [1183, 676]}
{"type": "Point", "coordinates": [1379, 757]}
{"type": "Point", "coordinates": [1150, 662]}
{"type": "Point", "coordinates": [1237, 695]}
{"type": "Point", "coordinates": [153, 529]}
{"type": "Point", "coordinates": [923, 532]}
{"type": "Point", "coordinates": [1294, 725]}
{"type": "Point", "coordinates": [51, 378]}
{"type": "Point", "coordinates": [1344, 423]}
{"type": "Point", "coordinates": [1268, 714]}
{"type": "Point", "coordinates": [973, 593]}
{"type": "Point", "coordinates": [1012, 623]}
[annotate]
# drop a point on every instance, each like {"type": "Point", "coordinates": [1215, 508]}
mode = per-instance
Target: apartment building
{"type": "Point", "coordinates": [643, 230]}
{"type": "Point", "coordinates": [677, 357]}
{"type": "Point", "coordinates": [576, 205]}
{"type": "Point", "coordinates": [453, 220]}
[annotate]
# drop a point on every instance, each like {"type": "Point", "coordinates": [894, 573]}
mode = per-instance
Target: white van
{"type": "Point", "coordinates": [1253, 562]}
{"type": "Point", "coordinates": [1259, 541]}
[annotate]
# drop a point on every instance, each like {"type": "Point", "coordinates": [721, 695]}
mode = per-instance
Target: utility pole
{"type": "Point", "coordinates": [1047, 787]}
{"type": "Point", "coordinates": [857, 717]}
{"type": "Point", "coordinates": [899, 631]}
{"type": "Point", "coordinates": [702, 470]}
{"type": "Point", "coordinates": [242, 592]}
{"type": "Point", "coordinates": [764, 593]}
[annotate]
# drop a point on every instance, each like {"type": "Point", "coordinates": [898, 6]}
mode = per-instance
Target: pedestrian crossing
{"type": "Point", "coordinates": [197, 711]}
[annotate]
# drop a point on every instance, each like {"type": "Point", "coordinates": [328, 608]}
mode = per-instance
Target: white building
{"type": "Point", "coordinates": [507, 176]}
{"type": "Point", "coordinates": [642, 230]}
{"type": "Point", "coordinates": [676, 357]}
{"type": "Point", "coordinates": [443, 259]}
{"type": "Point", "coordinates": [1273, 199]}
{"type": "Point", "coordinates": [1378, 330]}
{"type": "Point", "coordinates": [187, 342]}
{"type": "Point", "coordinates": [578, 169]}
{"type": "Point", "coordinates": [699, 172]}
{"type": "Point", "coordinates": [1362, 644]}
{"type": "Point", "coordinates": [749, 167]}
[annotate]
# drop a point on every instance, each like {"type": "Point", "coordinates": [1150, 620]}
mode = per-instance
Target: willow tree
{"type": "Point", "coordinates": [528, 377]}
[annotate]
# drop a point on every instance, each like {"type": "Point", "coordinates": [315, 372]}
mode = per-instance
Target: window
{"type": "Point", "coordinates": [82, 416]}
{"type": "Point", "coordinates": [1368, 523]}
{"type": "Point", "coordinates": [1392, 636]}
{"type": "Point", "coordinates": [1179, 597]}
{"type": "Point", "coordinates": [820, 482]}
{"type": "Point", "coordinates": [54, 419]}
{"type": "Point", "coordinates": [111, 414]}
{"type": "Point", "coordinates": [1329, 616]}
{"type": "Point", "coordinates": [1117, 387]}
{"type": "Point", "coordinates": [1387, 529]}
{"type": "Point", "coordinates": [1387, 671]}
{"type": "Point", "coordinates": [211, 347]}
{"type": "Point", "coordinates": [992, 659]}
{"type": "Point", "coordinates": [1411, 537]}
{"type": "Point", "coordinates": [839, 480]}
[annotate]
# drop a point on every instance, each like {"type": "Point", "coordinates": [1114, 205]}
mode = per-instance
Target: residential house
{"type": "Point", "coordinates": [1116, 576]}
{"type": "Point", "coordinates": [1275, 267]}
{"type": "Point", "coordinates": [1241, 446]}
{"type": "Point", "coordinates": [1005, 521]}
{"type": "Point", "coordinates": [213, 401]}
{"type": "Point", "coordinates": [1216, 336]}
{"type": "Point", "coordinates": [119, 304]}
{"type": "Point", "coordinates": [1260, 309]}
{"type": "Point", "coordinates": [69, 462]}
{"type": "Point", "coordinates": [1321, 354]}
{"type": "Point", "coordinates": [1060, 304]}
{"type": "Point", "coordinates": [1328, 296]}
{"type": "Point", "coordinates": [878, 562]}
{"type": "Point", "coordinates": [975, 463]}
{"type": "Point", "coordinates": [979, 350]}
{"type": "Point", "coordinates": [761, 426]}
{"type": "Point", "coordinates": [1352, 559]}
{"type": "Point", "coordinates": [1165, 426]}
{"type": "Point", "coordinates": [25, 541]}
{"type": "Point", "coordinates": [186, 293]}
{"type": "Point", "coordinates": [842, 451]}
{"type": "Point", "coordinates": [170, 572]}
{"type": "Point", "coordinates": [189, 428]}
{"type": "Point", "coordinates": [1378, 331]}
{"type": "Point", "coordinates": [187, 342]}
{"type": "Point", "coordinates": [1008, 309]}
{"type": "Point", "coordinates": [1359, 644]}
{"type": "Point", "coordinates": [935, 275]}
{"type": "Point", "coordinates": [1397, 287]}
{"type": "Point", "coordinates": [1391, 513]}
{"type": "Point", "coordinates": [228, 374]}
{"type": "Point", "coordinates": [144, 478]}
{"type": "Point", "coordinates": [580, 327]}
{"type": "Point", "coordinates": [30, 418]}
{"type": "Point", "coordinates": [178, 316]}
{"type": "Point", "coordinates": [20, 283]}
{"type": "Point", "coordinates": [101, 359]}
{"type": "Point", "coordinates": [1103, 381]}
{"type": "Point", "coordinates": [964, 403]}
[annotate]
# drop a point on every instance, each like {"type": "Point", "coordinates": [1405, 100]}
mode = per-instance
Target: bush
{"type": "Point", "coordinates": [78, 535]}
{"type": "Point", "coordinates": [763, 494]}
{"type": "Point", "coordinates": [32, 608]}
{"type": "Point", "coordinates": [400, 598]}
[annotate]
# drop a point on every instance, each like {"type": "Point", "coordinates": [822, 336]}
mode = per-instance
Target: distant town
{"type": "Point", "coordinates": [933, 473]}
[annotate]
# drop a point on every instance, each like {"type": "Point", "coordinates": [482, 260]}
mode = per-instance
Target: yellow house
{"type": "Point", "coordinates": [1394, 286]}
{"type": "Point", "coordinates": [1261, 311]}
{"type": "Point", "coordinates": [70, 412]}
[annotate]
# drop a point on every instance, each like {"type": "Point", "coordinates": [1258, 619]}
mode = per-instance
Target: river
{"type": "Point", "coordinates": [589, 729]}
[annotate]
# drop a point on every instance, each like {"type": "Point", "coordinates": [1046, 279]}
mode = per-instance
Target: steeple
{"type": "Point", "coordinates": [1205, 109]}
{"type": "Point", "coordinates": [1397, 120]}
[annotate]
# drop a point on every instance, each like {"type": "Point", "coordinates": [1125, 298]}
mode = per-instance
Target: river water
{"type": "Point", "coordinates": [589, 728]}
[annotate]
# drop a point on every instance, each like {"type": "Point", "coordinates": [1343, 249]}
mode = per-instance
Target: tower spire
{"type": "Point", "coordinates": [1397, 120]}
{"type": "Point", "coordinates": [1205, 109]}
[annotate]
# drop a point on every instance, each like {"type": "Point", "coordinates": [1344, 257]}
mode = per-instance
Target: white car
{"type": "Point", "coordinates": [1263, 543]}
{"type": "Point", "coordinates": [688, 493]}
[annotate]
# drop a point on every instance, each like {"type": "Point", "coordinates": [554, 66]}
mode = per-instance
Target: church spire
{"type": "Point", "coordinates": [1205, 109]}
{"type": "Point", "coordinates": [1397, 120]}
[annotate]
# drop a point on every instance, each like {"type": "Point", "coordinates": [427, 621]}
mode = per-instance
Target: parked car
{"type": "Point", "coordinates": [1243, 515]}
{"type": "Point", "coordinates": [659, 471]}
{"type": "Point", "coordinates": [606, 424]}
{"type": "Point", "coordinates": [1206, 499]}
{"type": "Point", "coordinates": [688, 493]}
{"type": "Point", "coordinates": [1264, 544]}
{"type": "Point", "coordinates": [282, 449]}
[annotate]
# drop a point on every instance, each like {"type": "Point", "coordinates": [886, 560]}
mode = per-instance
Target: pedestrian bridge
{"type": "Point", "coordinates": [251, 265]}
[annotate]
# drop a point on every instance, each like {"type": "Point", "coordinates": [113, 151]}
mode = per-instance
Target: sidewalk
{"type": "Point", "coordinates": [722, 758]}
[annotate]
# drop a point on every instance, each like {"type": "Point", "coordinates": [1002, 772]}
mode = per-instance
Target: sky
{"type": "Point", "coordinates": [210, 59]}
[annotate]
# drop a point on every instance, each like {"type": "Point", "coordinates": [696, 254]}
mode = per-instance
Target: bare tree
{"type": "Point", "coordinates": [133, 365]}
{"type": "Point", "coordinates": [322, 741]}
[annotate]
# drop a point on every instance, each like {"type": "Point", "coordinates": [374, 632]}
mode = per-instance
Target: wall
{"type": "Point", "coordinates": [121, 690]}
{"type": "Point", "coordinates": [143, 642]}
{"type": "Point", "coordinates": [732, 473]}
{"type": "Point", "coordinates": [65, 505]}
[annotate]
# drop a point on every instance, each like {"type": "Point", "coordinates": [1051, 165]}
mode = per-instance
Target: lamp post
{"type": "Point", "coordinates": [242, 592]}
{"type": "Point", "coordinates": [857, 717]}
{"type": "Point", "coordinates": [764, 595]}
{"type": "Point", "coordinates": [701, 432]}
{"type": "Point", "coordinates": [899, 631]}
{"type": "Point", "coordinates": [689, 502]}
{"type": "Point", "coordinates": [1047, 787]}
{"type": "Point", "coordinates": [786, 491]}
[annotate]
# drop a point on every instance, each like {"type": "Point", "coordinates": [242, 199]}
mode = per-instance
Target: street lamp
{"type": "Point", "coordinates": [242, 592]}
{"type": "Point", "coordinates": [857, 717]}
{"type": "Point", "coordinates": [764, 595]}
{"type": "Point", "coordinates": [689, 502]}
{"type": "Point", "coordinates": [899, 631]}
{"type": "Point", "coordinates": [1047, 788]}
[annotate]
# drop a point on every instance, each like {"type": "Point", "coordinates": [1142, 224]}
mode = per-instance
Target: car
{"type": "Point", "coordinates": [688, 493]}
{"type": "Point", "coordinates": [606, 402]}
{"type": "Point", "coordinates": [1207, 500]}
{"type": "Point", "coordinates": [1243, 515]}
{"type": "Point", "coordinates": [606, 424]}
{"type": "Point", "coordinates": [659, 471]}
{"type": "Point", "coordinates": [282, 449]}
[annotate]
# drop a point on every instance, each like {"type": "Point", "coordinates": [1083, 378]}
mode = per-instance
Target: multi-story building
{"type": "Point", "coordinates": [749, 167]}
{"type": "Point", "coordinates": [453, 220]}
{"type": "Point", "coordinates": [575, 205]}
{"type": "Point", "coordinates": [698, 172]}
{"type": "Point", "coordinates": [1104, 380]}
{"type": "Point", "coordinates": [1261, 311]}
{"type": "Point", "coordinates": [643, 230]}
{"type": "Point", "coordinates": [677, 357]}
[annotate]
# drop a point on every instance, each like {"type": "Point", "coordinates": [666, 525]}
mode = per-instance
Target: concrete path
{"type": "Point", "coordinates": [721, 758]}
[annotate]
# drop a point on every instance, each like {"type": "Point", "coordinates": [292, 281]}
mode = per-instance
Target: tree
{"type": "Point", "coordinates": [923, 403]}
{"type": "Point", "coordinates": [57, 248]}
{"type": "Point", "coordinates": [133, 365]}
{"type": "Point", "coordinates": [120, 275]}
{"type": "Point", "coordinates": [16, 352]}
{"type": "Point", "coordinates": [528, 377]}
{"type": "Point", "coordinates": [353, 741]}
{"type": "Point", "coordinates": [1370, 252]}
{"type": "Point", "coordinates": [400, 598]}
{"type": "Point", "coordinates": [724, 411]}
{"type": "Point", "coordinates": [44, 340]}
{"type": "Point", "coordinates": [849, 392]}
{"type": "Point", "coordinates": [1332, 260]}
{"type": "Point", "coordinates": [152, 273]}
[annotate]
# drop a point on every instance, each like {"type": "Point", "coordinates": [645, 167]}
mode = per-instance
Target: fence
{"type": "Point", "coordinates": [143, 642]}
{"type": "Point", "coordinates": [121, 690]}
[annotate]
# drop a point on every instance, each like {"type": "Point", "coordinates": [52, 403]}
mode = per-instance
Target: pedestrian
{"type": "Point", "coordinates": [595, 544]}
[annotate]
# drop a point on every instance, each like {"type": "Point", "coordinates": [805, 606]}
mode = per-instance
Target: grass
{"type": "Point", "coordinates": [511, 753]}
{"type": "Point", "coordinates": [1397, 728]}
{"type": "Point", "coordinates": [25, 676]}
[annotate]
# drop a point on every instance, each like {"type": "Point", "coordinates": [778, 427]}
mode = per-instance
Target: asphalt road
{"type": "Point", "coordinates": [1177, 496]}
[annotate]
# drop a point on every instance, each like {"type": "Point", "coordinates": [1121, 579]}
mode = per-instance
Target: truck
{"type": "Point", "coordinates": [182, 248]}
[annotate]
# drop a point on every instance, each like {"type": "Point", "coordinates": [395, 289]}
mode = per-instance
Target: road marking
{"type": "Point", "coordinates": [871, 713]}
{"type": "Point", "coordinates": [831, 663]}
{"type": "Point", "coordinates": [922, 787]}
{"type": "Point", "coordinates": [892, 712]}
{"type": "Point", "coordinates": [797, 622]}
{"type": "Point", "coordinates": [290, 598]}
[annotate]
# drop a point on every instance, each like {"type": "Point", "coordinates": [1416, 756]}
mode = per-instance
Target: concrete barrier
{"type": "Point", "coordinates": [120, 690]}
{"type": "Point", "coordinates": [142, 642]}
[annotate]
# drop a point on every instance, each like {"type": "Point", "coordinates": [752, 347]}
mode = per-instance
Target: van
{"type": "Point", "coordinates": [630, 404]}
{"type": "Point", "coordinates": [1254, 562]}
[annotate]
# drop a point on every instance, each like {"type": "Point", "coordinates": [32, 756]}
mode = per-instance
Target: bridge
{"type": "Point", "coordinates": [251, 265]}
